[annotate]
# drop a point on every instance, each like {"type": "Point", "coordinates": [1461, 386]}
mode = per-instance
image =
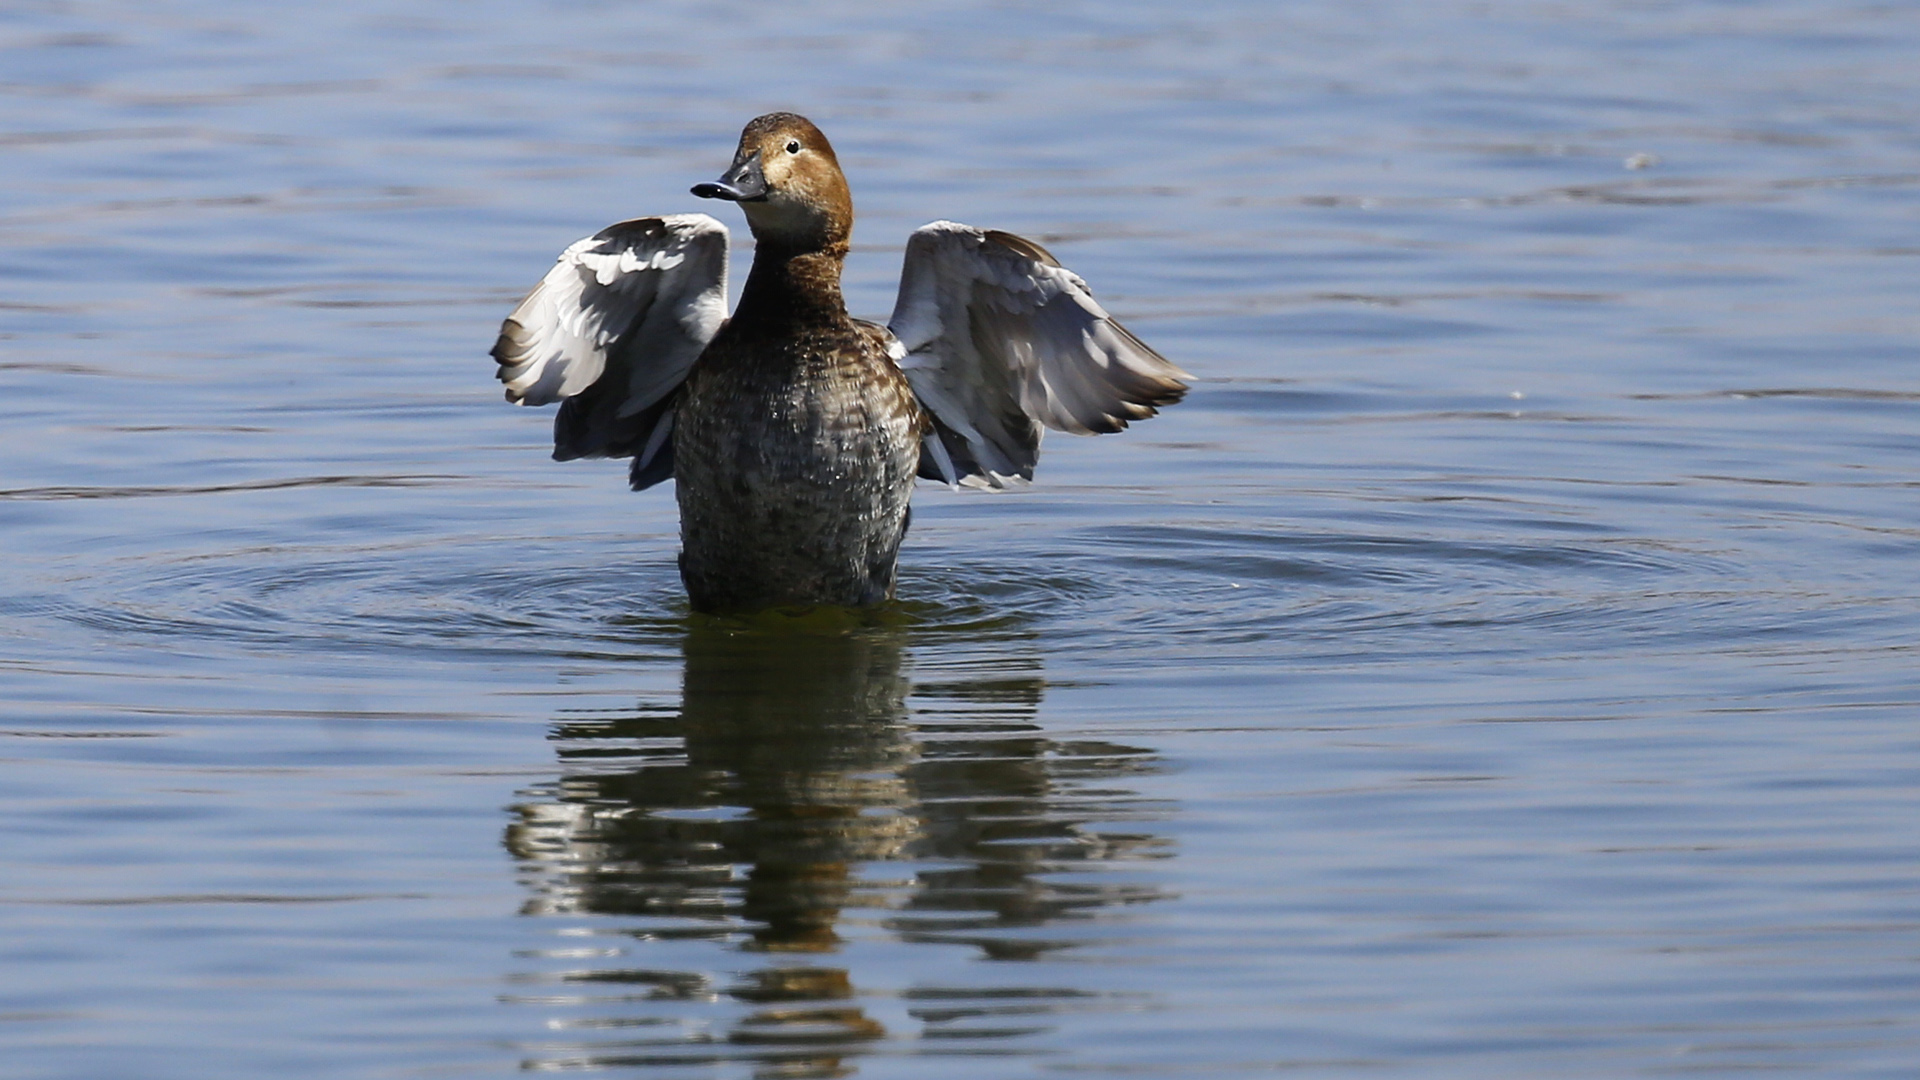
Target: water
{"type": "Point", "coordinates": [1502, 665]}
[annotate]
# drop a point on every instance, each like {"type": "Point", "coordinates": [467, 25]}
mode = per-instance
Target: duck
{"type": "Point", "coordinates": [794, 432]}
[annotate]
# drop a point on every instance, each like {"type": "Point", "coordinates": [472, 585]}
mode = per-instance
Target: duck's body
{"type": "Point", "coordinates": [794, 452]}
{"type": "Point", "coordinates": [793, 431]}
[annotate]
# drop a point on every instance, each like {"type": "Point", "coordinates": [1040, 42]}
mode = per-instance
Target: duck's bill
{"type": "Point", "coordinates": [742, 183]}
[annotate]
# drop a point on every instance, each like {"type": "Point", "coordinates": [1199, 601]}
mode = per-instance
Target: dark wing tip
{"type": "Point", "coordinates": [646, 228]}
{"type": "Point", "coordinates": [509, 348]}
{"type": "Point", "coordinates": [510, 353]}
{"type": "Point", "coordinates": [1020, 245]}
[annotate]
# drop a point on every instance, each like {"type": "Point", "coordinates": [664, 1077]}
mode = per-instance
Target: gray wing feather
{"type": "Point", "coordinates": [612, 331]}
{"type": "Point", "coordinates": [1002, 341]}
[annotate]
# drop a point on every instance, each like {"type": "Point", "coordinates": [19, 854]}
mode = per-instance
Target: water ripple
{"type": "Point", "coordinates": [53, 493]}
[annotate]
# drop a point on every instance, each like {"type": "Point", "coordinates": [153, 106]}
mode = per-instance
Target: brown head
{"type": "Point", "coordinates": [787, 179]}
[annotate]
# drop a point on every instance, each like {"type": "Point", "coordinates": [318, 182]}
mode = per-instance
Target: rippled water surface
{"type": "Point", "coordinates": [1502, 665]}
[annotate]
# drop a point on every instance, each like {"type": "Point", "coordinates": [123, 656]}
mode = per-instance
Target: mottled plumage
{"type": "Point", "coordinates": [793, 432]}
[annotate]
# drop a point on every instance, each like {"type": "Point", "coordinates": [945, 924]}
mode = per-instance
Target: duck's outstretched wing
{"type": "Point", "coordinates": [611, 332]}
{"type": "Point", "coordinates": [1000, 340]}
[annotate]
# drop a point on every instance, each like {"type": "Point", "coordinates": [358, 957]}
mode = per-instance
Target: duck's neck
{"type": "Point", "coordinates": [788, 287]}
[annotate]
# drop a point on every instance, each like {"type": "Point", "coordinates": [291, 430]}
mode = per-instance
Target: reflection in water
{"type": "Point", "coordinates": [802, 779]}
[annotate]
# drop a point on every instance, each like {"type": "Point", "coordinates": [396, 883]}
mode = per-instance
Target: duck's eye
{"type": "Point", "coordinates": [793, 146]}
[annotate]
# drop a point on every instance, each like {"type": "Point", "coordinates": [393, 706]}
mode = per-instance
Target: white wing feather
{"type": "Point", "coordinates": [615, 326]}
{"type": "Point", "coordinates": [1001, 340]}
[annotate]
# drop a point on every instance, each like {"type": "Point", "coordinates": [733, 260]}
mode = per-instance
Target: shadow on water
{"type": "Point", "coordinates": [806, 812]}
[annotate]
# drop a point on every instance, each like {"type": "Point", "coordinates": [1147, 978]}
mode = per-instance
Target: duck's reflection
{"type": "Point", "coordinates": [791, 786]}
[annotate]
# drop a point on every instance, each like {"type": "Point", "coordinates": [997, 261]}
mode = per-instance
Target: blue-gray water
{"type": "Point", "coordinates": [1503, 665]}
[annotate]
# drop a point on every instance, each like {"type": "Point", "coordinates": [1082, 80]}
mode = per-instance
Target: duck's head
{"type": "Point", "coordinates": [787, 180]}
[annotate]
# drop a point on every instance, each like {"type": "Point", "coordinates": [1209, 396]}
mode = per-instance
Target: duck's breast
{"type": "Point", "coordinates": [794, 462]}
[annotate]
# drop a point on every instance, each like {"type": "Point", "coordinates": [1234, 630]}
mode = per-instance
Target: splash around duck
{"type": "Point", "coordinates": [793, 431]}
